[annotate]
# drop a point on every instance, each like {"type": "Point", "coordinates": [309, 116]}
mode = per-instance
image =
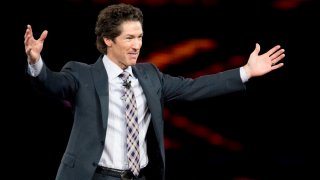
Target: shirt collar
{"type": "Point", "coordinates": [113, 70]}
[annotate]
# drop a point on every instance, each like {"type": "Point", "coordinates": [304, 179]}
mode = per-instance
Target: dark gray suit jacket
{"type": "Point", "coordinates": [86, 86]}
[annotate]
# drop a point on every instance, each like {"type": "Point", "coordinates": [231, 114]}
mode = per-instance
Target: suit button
{"type": "Point", "coordinates": [102, 143]}
{"type": "Point", "coordinates": [94, 164]}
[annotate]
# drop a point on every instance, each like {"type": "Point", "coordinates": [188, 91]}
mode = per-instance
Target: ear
{"type": "Point", "coordinates": [107, 41]}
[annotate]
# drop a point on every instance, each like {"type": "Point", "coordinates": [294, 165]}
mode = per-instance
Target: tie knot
{"type": "Point", "coordinates": [124, 76]}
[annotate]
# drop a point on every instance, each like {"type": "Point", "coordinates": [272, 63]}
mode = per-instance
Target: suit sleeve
{"type": "Point", "coordinates": [180, 88]}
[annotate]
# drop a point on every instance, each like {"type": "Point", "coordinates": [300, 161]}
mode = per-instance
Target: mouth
{"type": "Point", "coordinates": [134, 55]}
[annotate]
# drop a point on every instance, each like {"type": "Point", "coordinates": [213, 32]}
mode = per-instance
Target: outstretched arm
{"type": "Point", "coordinates": [33, 47]}
{"type": "Point", "coordinates": [259, 65]}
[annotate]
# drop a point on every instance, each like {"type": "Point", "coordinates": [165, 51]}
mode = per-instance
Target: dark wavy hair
{"type": "Point", "coordinates": [109, 21]}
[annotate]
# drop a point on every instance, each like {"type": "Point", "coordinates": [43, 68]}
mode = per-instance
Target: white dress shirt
{"type": "Point", "coordinates": [114, 153]}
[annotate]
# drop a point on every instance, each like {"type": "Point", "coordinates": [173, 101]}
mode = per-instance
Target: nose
{"type": "Point", "coordinates": [137, 43]}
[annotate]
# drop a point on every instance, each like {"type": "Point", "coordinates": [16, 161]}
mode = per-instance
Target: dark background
{"type": "Point", "coordinates": [266, 132]}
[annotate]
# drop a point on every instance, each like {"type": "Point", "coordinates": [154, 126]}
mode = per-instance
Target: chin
{"type": "Point", "coordinates": [133, 62]}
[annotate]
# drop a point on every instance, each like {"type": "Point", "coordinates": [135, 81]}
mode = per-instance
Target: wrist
{"type": "Point", "coordinates": [247, 71]}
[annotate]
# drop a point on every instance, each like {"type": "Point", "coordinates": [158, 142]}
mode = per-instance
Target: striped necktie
{"type": "Point", "coordinates": [132, 125]}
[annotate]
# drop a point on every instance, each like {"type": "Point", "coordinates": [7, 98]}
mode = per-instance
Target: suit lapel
{"type": "Point", "coordinates": [151, 91]}
{"type": "Point", "coordinates": [100, 79]}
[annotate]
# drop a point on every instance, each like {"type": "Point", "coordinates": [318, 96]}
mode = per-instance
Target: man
{"type": "Point", "coordinates": [98, 146]}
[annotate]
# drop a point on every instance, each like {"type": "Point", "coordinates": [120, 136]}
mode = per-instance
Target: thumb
{"type": "Point", "coordinates": [257, 49]}
{"type": "Point", "coordinates": [43, 35]}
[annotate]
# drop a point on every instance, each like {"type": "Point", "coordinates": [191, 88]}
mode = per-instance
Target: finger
{"type": "Point", "coordinates": [277, 66]}
{"type": "Point", "coordinates": [27, 33]}
{"type": "Point", "coordinates": [274, 49]}
{"type": "Point", "coordinates": [29, 28]}
{"type": "Point", "coordinates": [26, 40]}
{"type": "Point", "coordinates": [276, 54]}
{"type": "Point", "coordinates": [28, 51]}
{"type": "Point", "coordinates": [276, 60]}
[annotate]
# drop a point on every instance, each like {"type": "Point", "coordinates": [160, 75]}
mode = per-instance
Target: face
{"type": "Point", "coordinates": [124, 50]}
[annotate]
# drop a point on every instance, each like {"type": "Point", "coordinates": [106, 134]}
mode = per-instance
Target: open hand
{"type": "Point", "coordinates": [33, 47]}
{"type": "Point", "coordinates": [259, 65]}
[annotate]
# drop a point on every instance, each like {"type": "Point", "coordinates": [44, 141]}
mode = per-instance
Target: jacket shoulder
{"type": "Point", "coordinates": [76, 65]}
{"type": "Point", "coordinates": [147, 67]}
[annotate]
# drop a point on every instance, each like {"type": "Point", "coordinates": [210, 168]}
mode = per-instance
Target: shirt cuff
{"type": "Point", "coordinates": [35, 68]}
{"type": "Point", "coordinates": [243, 75]}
